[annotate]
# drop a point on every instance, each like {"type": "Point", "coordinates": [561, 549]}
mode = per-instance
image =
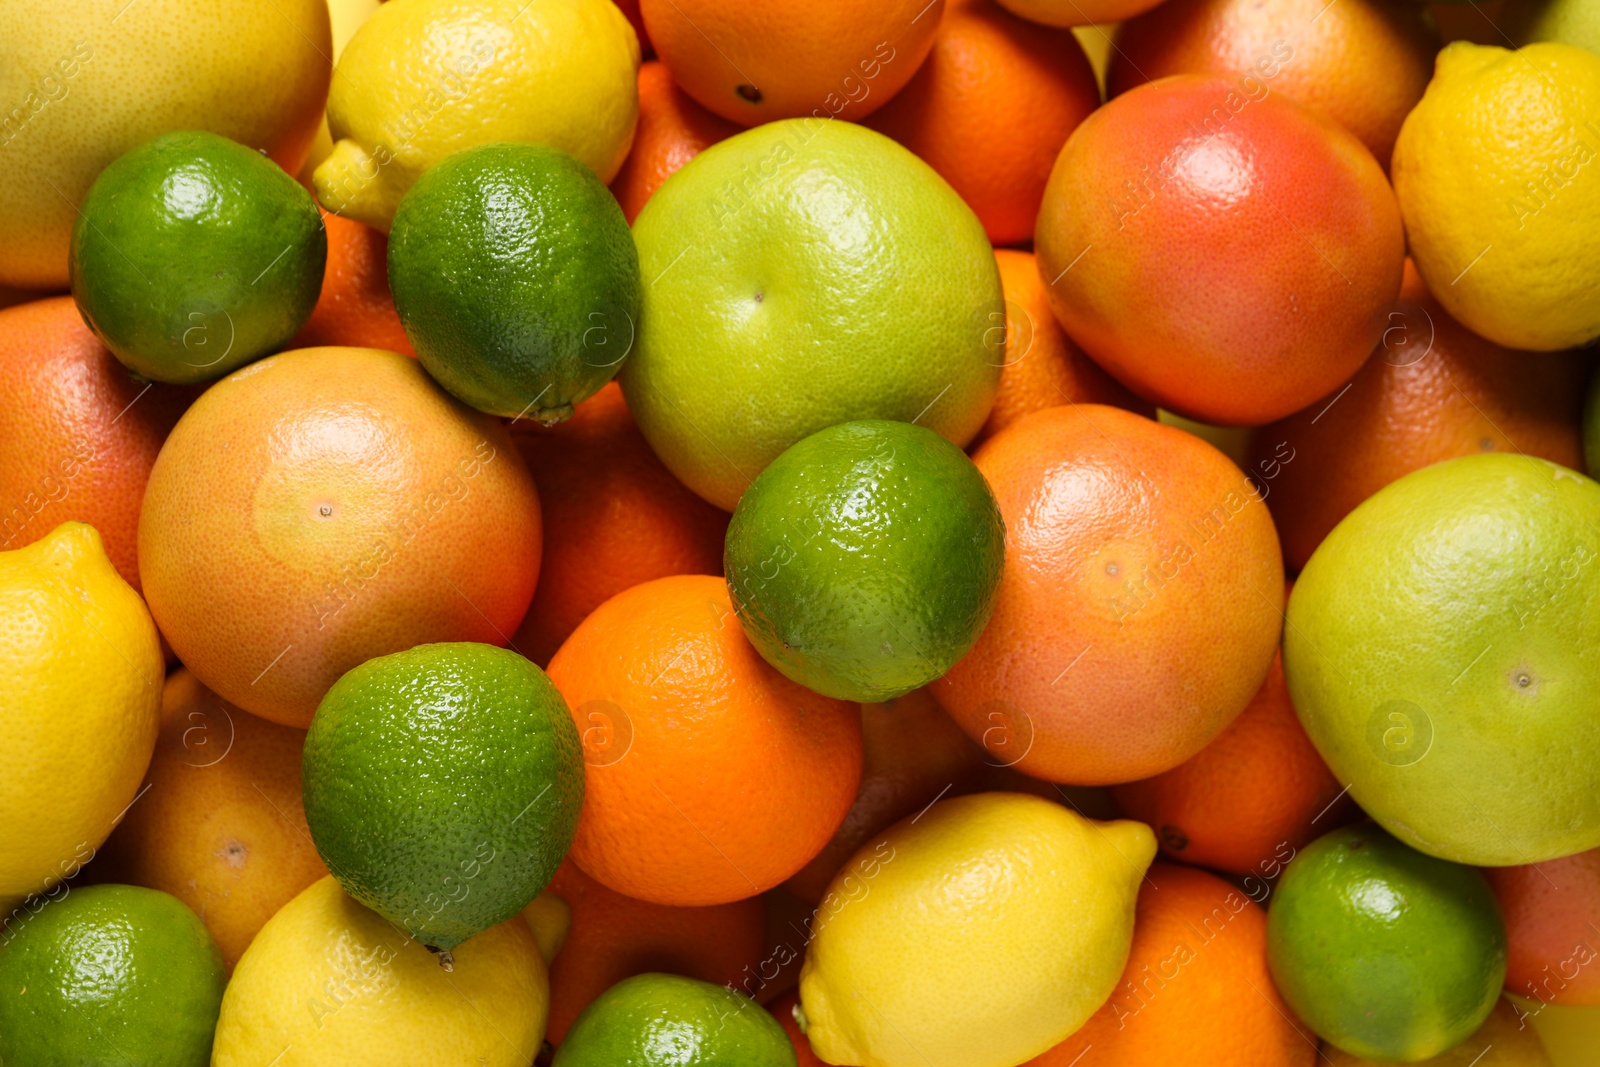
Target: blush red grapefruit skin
{"type": "Point", "coordinates": [1138, 610]}
{"type": "Point", "coordinates": [1225, 253]}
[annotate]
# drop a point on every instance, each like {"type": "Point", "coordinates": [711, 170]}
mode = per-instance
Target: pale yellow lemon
{"type": "Point", "coordinates": [423, 79]}
{"type": "Point", "coordinates": [1497, 171]}
{"type": "Point", "coordinates": [978, 933]}
{"type": "Point", "coordinates": [80, 705]}
{"type": "Point", "coordinates": [328, 981]}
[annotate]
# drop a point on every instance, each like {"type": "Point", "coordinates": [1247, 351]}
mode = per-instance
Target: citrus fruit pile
{"type": "Point", "coordinates": [695, 533]}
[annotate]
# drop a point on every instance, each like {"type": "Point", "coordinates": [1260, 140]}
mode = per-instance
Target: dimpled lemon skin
{"type": "Point", "coordinates": [422, 79]}
{"type": "Point", "coordinates": [86, 80]}
{"type": "Point", "coordinates": [1497, 171]}
{"type": "Point", "coordinates": [1443, 652]}
{"type": "Point", "coordinates": [80, 704]}
{"type": "Point", "coordinates": [801, 274]}
{"type": "Point", "coordinates": [977, 934]}
{"type": "Point", "coordinates": [327, 981]}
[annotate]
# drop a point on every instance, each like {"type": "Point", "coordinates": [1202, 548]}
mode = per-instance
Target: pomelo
{"type": "Point", "coordinates": [801, 274]}
{"type": "Point", "coordinates": [1443, 652]}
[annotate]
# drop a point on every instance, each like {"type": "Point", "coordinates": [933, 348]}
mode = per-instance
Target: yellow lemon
{"type": "Point", "coordinates": [80, 704]}
{"type": "Point", "coordinates": [1497, 171]}
{"type": "Point", "coordinates": [86, 80]}
{"type": "Point", "coordinates": [328, 981]}
{"type": "Point", "coordinates": [422, 79]}
{"type": "Point", "coordinates": [977, 934]}
{"type": "Point", "coordinates": [346, 17]}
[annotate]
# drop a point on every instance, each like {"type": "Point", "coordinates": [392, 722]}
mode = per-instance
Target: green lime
{"type": "Point", "coordinates": [806, 273]}
{"type": "Point", "coordinates": [193, 255]}
{"type": "Point", "coordinates": [516, 279]}
{"type": "Point", "coordinates": [1441, 651]}
{"type": "Point", "coordinates": [1383, 951]}
{"type": "Point", "coordinates": [109, 976]}
{"type": "Point", "coordinates": [664, 1020]}
{"type": "Point", "coordinates": [864, 561]}
{"type": "Point", "coordinates": [442, 786]}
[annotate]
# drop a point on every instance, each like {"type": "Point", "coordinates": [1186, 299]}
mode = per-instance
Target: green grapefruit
{"type": "Point", "coordinates": [1443, 652]}
{"type": "Point", "coordinates": [801, 274]}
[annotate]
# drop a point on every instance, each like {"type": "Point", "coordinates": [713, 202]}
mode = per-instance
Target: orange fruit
{"type": "Point", "coordinates": [1043, 368]}
{"type": "Point", "coordinates": [613, 937]}
{"type": "Point", "coordinates": [1362, 63]}
{"type": "Point", "coordinates": [355, 308]}
{"type": "Point", "coordinates": [324, 506]}
{"type": "Point", "coordinates": [1141, 601]}
{"type": "Point", "coordinates": [672, 130]}
{"type": "Point", "coordinates": [783, 1010]}
{"type": "Point", "coordinates": [1150, 189]}
{"type": "Point", "coordinates": [1248, 801]}
{"type": "Point", "coordinates": [990, 108]}
{"type": "Point", "coordinates": [614, 517]}
{"type": "Point", "coordinates": [1434, 390]}
{"type": "Point", "coordinates": [1196, 988]}
{"type": "Point", "coordinates": [81, 434]}
{"type": "Point", "coordinates": [1552, 913]}
{"type": "Point", "coordinates": [711, 777]}
{"type": "Point", "coordinates": [785, 59]}
{"type": "Point", "coordinates": [914, 754]}
{"type": "Point", "coordinates": [220, 825]}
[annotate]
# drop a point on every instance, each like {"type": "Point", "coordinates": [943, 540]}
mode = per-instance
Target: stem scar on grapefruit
{"type": "Point", "coordinates": [325, 506]}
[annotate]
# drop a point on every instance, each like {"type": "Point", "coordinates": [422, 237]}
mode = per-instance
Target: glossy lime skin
{"type": "Point", "coordinates": [664, 1020]}
{"type": "Point", "coordinates": [442, 786]}
{"type": "Point", "coordinates": [193, 255]}
{"type": "Point", "coordinates": [865, 560]}
{"type": "Point", "coordinates": [1442, 651]}
{"type": "Point", "coordinates": [109, 976]}
{"type": "Point", "coordinates": [1383, 951]}
{"type": "Point", "coordinates": [516, 279]}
